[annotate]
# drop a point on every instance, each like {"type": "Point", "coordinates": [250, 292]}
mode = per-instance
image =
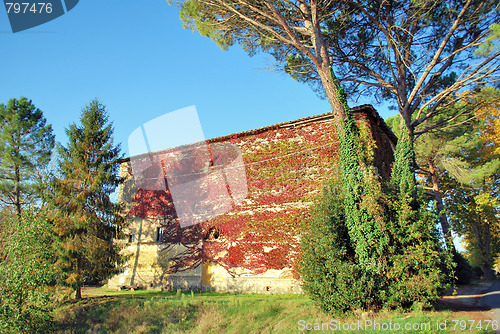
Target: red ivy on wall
{"type": "Point", "coordinates": [285, 169]}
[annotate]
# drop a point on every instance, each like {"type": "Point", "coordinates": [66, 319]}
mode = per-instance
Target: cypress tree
{"type": "Point", "coordinates": [419, 265]}
{"type": "Point", "coordinates": [86, 218]}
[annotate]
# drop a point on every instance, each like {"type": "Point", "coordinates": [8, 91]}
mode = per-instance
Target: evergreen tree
{"type": "Point", "coordinates": [473, 200]}
{"type": "Point", "coordinates": [371, 242]}
{"type": "Point", "coordinates": [331, 273]}
{"type": "Point", "coordinates": [419, 267]}
{"type": "Point", "coordinates": [459, 164]}
{"type": "Point", "coordinates": [86, 218]}
{"type": "Point", "coordinates": [26, 143]}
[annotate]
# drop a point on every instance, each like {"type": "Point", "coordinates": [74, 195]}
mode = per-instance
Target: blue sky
{"type": "Point", "coordinates": [138, 60]}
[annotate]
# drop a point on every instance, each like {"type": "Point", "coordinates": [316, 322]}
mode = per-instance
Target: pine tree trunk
{"type": "Point", "coordinates": [17, 190]}
{"type": "Point", "coordinates": [78, 291]}
{"type": "Point", "coordinates": [331, 93]}
{"type": "Point", "coordinates": [321, 60]}
{"type": "Point", "coordinates": [443, 220]}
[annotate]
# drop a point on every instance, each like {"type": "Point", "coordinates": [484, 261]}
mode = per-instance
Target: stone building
{"type": "Point", "coordinates": [254, 246]}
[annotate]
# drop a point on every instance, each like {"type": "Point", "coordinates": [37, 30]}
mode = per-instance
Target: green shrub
{"type": "Point", "coordinates": [25, 298]}
{"type": "Point", "coordinates": [331, 275]}
{"type": "Point", "coordinates": [372, 243]}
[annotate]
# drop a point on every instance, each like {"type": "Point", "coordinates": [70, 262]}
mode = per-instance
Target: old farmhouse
{"type": "Point", "coordinates": [254, 246]}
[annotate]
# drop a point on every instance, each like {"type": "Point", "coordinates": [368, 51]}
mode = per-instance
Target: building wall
{"type": "Point", "coordinates": [148, 261]}
{"type": "Point", "coordinates": [254, 247]}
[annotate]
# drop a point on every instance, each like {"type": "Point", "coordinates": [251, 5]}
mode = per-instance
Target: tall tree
{"type": "Point", "coordinates": [443, 151]}
{"type": "Point", "coordinates": [473, 200]}
{"type": "Point", "coordinates": [26, 144]}
{"type": "Point", "coordinates": [474, 212]}
{"type": "Point", "coordinates": [409, 51]}
{"type": "Point", "coordinates": [87, 218]}
{"type": "Point", "coordinates": [437, 152]}
{"type": "Point", "coordinates": [459, 164]}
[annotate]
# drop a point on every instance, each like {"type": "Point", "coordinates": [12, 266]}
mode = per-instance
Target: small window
{"type": "Point", "coordinates": [131, 236]}
{"type": "Point", "coordinates": [160, 233]}
{"type": "Point", "coordinates": [212, 234]}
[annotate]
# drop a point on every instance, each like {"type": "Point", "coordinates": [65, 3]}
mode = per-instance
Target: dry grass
{"type": "Point", "coordinates": [156, 312]}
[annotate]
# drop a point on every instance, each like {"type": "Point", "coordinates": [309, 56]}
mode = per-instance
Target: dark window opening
{"type": "Point", "coordinates": [131, 235]}
{"type": "Point", "coordinates": [160, 233]}
{"type": "Point", "coordinates": [212, 234]}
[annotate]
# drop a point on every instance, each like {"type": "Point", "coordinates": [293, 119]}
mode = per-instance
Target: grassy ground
{"type": "Point", "coordinates": [106, 311]}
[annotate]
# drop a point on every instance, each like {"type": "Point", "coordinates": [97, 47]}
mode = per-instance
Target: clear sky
{"type": "Point", "coordinates": [138, 60]}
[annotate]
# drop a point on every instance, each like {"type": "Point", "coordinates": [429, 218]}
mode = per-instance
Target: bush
{"type": "Point", "coordinates": [25, 299]}
{"type": "Point", "coordinates": [373, 243]}
{"type": "Point", "coordinates": [331, 275]}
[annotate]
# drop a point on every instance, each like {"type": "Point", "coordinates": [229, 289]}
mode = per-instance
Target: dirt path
{"type": "Point", "coordinates": [467, 297]}
{"type": "Point", "coordinates": [491, 299]}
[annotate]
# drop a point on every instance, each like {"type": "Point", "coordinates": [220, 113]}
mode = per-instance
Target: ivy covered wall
{"type": "Point", "coordinates": [286, 166]}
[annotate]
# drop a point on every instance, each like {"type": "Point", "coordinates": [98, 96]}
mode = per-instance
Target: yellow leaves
{"type": "Point", "coordinates": [497, 263]}
{"type": "Point", "coordinates": [491, 131]}
{"type": "Point", "coordinates": [485, 199]}
{"type": "Point", "coordinates": [487, 110]}
{"type": "Point", "coordinates": [73, 278]}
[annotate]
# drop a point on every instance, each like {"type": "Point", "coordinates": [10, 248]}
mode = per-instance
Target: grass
{"type": "Point", "coordinates": [106, 311]}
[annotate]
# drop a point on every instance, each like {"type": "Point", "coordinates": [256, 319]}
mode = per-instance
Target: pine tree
{"type": "Point", "coordinates": [86, 218]}
{"type": "Point", "coordinates": [26, 144]}
{"type": "Point", "coordinates": [473, 200]}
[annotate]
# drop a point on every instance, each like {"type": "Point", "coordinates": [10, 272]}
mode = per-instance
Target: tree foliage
{"type": "Point", "coordinates": [86, 220]}
{"type": "Point", "coordinates": [473, 199]}
{"type": "Point", "coordinates": [488, 111]}
{"type": "Point", "coordinates": [329, 269]}
{"type": "Point", "coordinates": [409, 51]}
{"type": "Point", "coordinates": [437, 151]}
{"type": "Point", "coordinates": [416, 52]}
{"type": "Point", "coordinates": [458, 163]}
{"type": "Point", "coordinates": [26, 144]}
{"type": "Point", "coordinates": [282, 29]}
{"type": "Point", "coordinates": [474, 213]}
{"type": "Point", "coordinates": [389, 241]}
{"type": "Point", "coordinates": [373, 248]}
{"type": "Point", "coordinates": [26, 302]}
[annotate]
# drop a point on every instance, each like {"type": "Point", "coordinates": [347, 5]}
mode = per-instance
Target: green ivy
{"type": "Point", "coordinates": [372, 243]}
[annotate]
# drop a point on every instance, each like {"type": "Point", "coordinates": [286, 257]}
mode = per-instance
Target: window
{"type": "Point", "coordinates": [160, 233]}
{"type": "Point", "coordinates": [212, 234]}
{"type": "Point", "coordinates": [131, 236]}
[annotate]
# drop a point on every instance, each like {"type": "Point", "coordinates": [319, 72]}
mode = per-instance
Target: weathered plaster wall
{"type": "Point", "coordinates": [148, 261]}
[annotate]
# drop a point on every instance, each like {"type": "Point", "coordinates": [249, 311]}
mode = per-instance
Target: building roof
{"type": "Point", "coordinates": [365, 109]}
